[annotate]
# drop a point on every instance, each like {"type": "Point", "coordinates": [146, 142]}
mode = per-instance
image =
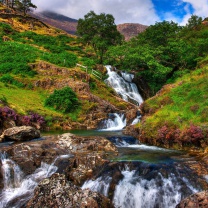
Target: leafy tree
{"type": "Point", "coordinates": [158, 34]}
{"type": "Point", "coordinates": [193, 22]}
{"type": "Point", "coordinates": [25, 5]}
{"type": "Point", "coordinates": [99, 31]}
{"type": "Point", "coordinates": [64, 100]}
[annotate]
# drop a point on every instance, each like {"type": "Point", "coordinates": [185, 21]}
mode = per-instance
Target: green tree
{"type": "Point", "coordinates": [25, 5]}
{"type": "Point", "coordinates": [99, 31]}
{"type": "Point", "coordinates": [193, 22]}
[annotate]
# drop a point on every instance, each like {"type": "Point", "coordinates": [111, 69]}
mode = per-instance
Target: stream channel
{"type": "Point", "coordinates": [140, 176]}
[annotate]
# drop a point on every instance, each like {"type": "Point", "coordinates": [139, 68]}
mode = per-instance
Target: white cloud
{"type": "Point", "coordinates": [200, 9]}
{"type": "Point", "coordinates": [133, 11]}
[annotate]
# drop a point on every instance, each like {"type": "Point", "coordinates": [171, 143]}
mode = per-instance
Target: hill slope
{"type": "Point", "coordinates": [57, 20]}
{"type": "Point", "coordinates": [177, 116]}
{"type": "Point", "coordinates": [36, 60]}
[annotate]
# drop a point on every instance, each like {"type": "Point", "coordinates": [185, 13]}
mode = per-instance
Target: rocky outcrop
{"type": "Point", "coordinates": [22, 133]}
{"type": "Point", "coordinates": [84, 154]}
{"type": "Point", "coordinates": [56, 191]}
{"type": "Point", "coordinates": [132, 131]}
{"type": "Point", "coordinates": [198, 200]}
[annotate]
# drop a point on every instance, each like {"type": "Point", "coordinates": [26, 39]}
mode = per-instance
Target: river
{"type": "Point", "coordinates": [140, 176]}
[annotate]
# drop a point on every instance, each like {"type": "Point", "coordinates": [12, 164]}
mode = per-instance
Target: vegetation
{"type": "Point", "coordinates": [21, 5]}
{"type": "Point", "coordinates": [64, 100]}
{"type": "Point", "coordinates": [164, 52]}
{"type": "Point", "coordinates": [179, 113]}
{"type": "Point", "coordinates": [99, 31]}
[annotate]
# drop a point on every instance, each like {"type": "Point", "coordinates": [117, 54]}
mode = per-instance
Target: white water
{"type": "Point", "coordinates": [136, 120]}
{"type": "Point", "coordinates": [98, 185]}
{"type": "Point", "coordinates": [117, 123]}
{"type": "Point", "coordinates": [18, 186]}
{"type": "Point", "coordinates": [123, 86]}
{"type": "Point", "coordinates": [148, 193]}
{"type": "Point", "coordinates": [134, 191]}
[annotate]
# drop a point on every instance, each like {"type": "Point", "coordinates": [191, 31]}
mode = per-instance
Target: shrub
{"type": "Point", "coordinates": [8, 79]}
{"type": "Point", "coordinates": [64, 100]}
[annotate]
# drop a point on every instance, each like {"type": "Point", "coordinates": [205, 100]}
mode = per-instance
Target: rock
{"type": "Point", "coordinates": [132, 131]}
{"type": "Point", "coordinates": [58, 192]}
{"type": "Point", "coordinates": [195, 201]}
{"type": "Point", "coordinates": [22, 133]}
{"type": "Point", "coordinates": [84, 154]}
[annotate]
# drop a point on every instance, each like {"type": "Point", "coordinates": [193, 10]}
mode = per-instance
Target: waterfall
{"type": "Point", "coordinates": [147, 186]}
{"type": "Point", "coordinates": [16, 185]}
{"type": "Point", "coordinates": [124, 86]}
{"type": "Point", "coordinates": [99, 185]}
{"type": "Point", "coordinates": [114, 123]}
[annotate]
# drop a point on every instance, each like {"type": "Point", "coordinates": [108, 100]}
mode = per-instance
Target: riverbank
{"type": "Point", "coordinates": [103, 165]}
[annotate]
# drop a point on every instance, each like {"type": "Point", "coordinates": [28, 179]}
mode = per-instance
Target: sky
{"type": "Point", "coordinates": [145, 12]}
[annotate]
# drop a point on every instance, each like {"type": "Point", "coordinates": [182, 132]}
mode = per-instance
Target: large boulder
{"type": "Point", "coordinates": [195, 201]}
{"type": "Point", "coordinates": [21, 133]}
{"type": "Point", "coordinates": [56, 191]}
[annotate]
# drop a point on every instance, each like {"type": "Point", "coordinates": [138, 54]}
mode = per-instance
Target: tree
{"type": "Point", "coordinates": [193, 22]}
{"type": "Point", "coordinates": [25, 5]}
{"type": "Point", "coordinates": [99, 31]}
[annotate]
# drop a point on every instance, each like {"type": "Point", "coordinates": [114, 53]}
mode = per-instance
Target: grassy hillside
{"type": "Point", "coordinates": [178, 115]}
{"type": "Point", "coordinates": [36, 60]}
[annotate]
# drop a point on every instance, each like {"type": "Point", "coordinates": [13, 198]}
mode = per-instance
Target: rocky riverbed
{"type": "Point", "coordinates": [76, 160]}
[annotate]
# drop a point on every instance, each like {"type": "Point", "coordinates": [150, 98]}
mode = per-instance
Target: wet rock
{"type": "Point", "coordinates": [85, 154]}
{"type": "Point", "coordinates": [58, 192]}
{"type": "Point", "coordinates": [132, 130]}
{"type": "Point", "coordinates": [131, 115]}
{"type": "Point", "coordinates": [195, 201]}
{"type": "Point", "coordinates": [22, 133]}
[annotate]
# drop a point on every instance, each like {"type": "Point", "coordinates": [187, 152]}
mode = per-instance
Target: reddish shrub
{"type": "Point", "coordinates": [193, 135]}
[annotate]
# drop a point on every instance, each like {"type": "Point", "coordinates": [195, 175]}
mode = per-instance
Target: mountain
{"type": "Point", "coordinates": [69, 25]}
{"type": "Point", "coordinates": [57, 20]}
{"type": "Point", "coordinates": [130, 30]}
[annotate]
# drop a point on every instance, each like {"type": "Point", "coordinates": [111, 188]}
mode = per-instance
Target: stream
{"type": "Point", "coordinates": [140, 176]}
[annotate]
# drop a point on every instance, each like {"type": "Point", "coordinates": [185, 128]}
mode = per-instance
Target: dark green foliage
{"type": "Point", "coordinates": [164, 52]}
{"type": "Point", "coordinates": [64, 100]}
{"type": "Point", "coordinates": [8, 79]}
{"type": "Point", "coordinates": [193, 22]}
{"type": "Point", "coordinates": [15, 58]}
{"type": "Point", "coordinates": [5, 29]}
{"type": "Point", "coordinates": [99, 31]}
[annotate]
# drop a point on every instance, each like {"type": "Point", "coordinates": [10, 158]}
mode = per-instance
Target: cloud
{"type": "Point", "coordinates": [200, 8]}
{"type": "Point", "coordinates": [131, 11]}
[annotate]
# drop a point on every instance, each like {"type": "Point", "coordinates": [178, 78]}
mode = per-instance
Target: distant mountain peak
{"type": "Point", "coordinates": [69, 25]}
{"type": "Point", "coordinates": [130, 30]}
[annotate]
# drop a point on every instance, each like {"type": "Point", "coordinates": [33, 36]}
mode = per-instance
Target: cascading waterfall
{"type": "Point", "coordinates": [144, 184]}
{"type": "Point", "coordinates": [145, 187]}
{"type": "Point", "coordinates": [100, 185]}
{"type": "Point", "coordinates": [124, 86]}
{"type": "Point", "coordinates": [18, 186]}
{"type": "Point", "coordinates": [114, 123]}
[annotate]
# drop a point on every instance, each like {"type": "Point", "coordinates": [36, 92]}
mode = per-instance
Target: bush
{"type": "Point", "coordinates": [8, 79]}
{"type": "Point", "coordinates": [64, 100]}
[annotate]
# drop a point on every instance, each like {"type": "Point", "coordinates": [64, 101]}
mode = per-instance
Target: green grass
{"type": "Point", "coordinates": [182, 104]}
{"type": "Point", "coordinates": [23, 100]}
